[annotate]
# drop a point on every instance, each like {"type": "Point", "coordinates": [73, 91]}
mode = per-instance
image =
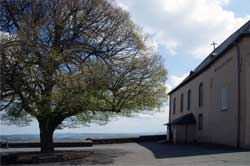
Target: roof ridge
{"type": "Point", "coordinates": [238, 31]}
{"type": "Point", "coordinates": [242, 28]}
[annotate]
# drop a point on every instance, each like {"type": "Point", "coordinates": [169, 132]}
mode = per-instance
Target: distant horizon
{"type": "Point", "coordinates": [73, 136]}
{"type": "Point", "coordinates": [104, 133]}
{"type": "Point", "coordinates": [147, 122]}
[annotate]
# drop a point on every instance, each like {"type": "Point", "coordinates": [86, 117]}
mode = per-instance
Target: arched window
{"type": "Point", "coordinates": [182, 102]}
{"type": "Point", "coordinates": [224, 98]}
{"type": "Point", "coordinates": [201, 94]}
{"type": "Point", "coordinates": [189, 100]}
{"type": "Point", "coordinates": [174, 106]}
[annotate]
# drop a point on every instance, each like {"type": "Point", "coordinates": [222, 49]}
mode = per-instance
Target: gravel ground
{"type": "Point", "coordinates": [154, 154]}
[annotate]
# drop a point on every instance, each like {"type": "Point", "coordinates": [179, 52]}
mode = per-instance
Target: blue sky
{"type": "Point", "coordinates": [181, 31]}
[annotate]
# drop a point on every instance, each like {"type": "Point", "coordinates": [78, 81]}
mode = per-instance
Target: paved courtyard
{"type": "Point", "coordinates": [157, 154]}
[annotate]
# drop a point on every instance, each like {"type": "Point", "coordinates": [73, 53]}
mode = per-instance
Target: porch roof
{"type": "Point", "coordinates": [185, 119]}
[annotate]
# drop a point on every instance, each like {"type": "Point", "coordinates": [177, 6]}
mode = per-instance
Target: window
{"type": "Point", "coordinates": [182, 102]}
{"type": "Point", "coordinates": [170, 105]}
{"type": "Point", "coordinates": [200, 122]}
{"type": "Point", "coordinates": [189, 100]}
{"type": "Point", "coordinates": [224, 98]}
{"type": "Point", "coordinates": [201, 94]}
{"type": "Point", "coordinates": [211, 83]}
{"type": "Point", "coordinates": [174, 106]}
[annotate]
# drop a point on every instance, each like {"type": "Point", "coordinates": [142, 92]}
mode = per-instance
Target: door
{"type": "Point", "coordinates": [170, 132]}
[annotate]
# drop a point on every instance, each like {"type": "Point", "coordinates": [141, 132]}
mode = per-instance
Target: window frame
{"type": "Point", "coordinates": [189, 94]}
{"type": "Point", "coordinates": [182, 103]}
{"type": "Point", "coordinates": [201, 95]}
{"type": "Point", "coordinates": [224, 102]}
{"type": "Point", "coordinates": [174, 105]}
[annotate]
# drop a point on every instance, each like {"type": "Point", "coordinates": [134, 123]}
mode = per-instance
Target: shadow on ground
{"type": "Point", "coordinates": [168, 150]}
{"type": "Point", "coordinates": [64, 157]}
{"type": "Point", "coordinates": [100, 157]}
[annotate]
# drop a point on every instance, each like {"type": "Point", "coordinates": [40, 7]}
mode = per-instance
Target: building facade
{"type": "Point", "coordinates": [212, 105]}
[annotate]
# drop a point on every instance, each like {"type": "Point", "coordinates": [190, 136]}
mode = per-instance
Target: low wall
{"type": "Point", "coordinates": [113, 140]}
{"type": "Point", "coordinates": [32, 144]}
{"type": "Point", "coordinates": [152, 138]}
{"type": "Point", "coordinates": [126, 140]}
{"type": "Point", "coordinates": [83, 143]}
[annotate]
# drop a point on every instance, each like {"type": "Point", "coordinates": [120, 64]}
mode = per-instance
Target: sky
{"type": "Point", "coordinates": [182, 32]}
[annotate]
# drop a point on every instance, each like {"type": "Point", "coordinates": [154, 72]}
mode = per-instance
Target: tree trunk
{"type": "Point", "coordinates": [46, 137]}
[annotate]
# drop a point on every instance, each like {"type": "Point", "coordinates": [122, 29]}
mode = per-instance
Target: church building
{"type": "Point", "coordinates": [212, 104]}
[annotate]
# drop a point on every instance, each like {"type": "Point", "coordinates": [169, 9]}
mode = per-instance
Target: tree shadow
{"type": "Point", "coordinates": [104, 156]}
{"type": "Point", "coordinates": [168, 150]}
{"type": "Point", "coordinates": [65, 157]}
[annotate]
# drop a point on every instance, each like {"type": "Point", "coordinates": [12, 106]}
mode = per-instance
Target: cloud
{"type": "Point", "coordinates": [6, 36]}
{"type": "Point", "coordinates": [174, 80]}
{"type": "Point", "coordinates": [184, 26]}
{"type": "Point", "coordinates": [3, 35]}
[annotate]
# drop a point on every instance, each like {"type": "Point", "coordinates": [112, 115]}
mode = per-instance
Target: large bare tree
{"type": "Point", "coordinates": [65, 58]}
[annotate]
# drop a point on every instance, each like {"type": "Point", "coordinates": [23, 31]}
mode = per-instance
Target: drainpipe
{"type": "Point", "coordinates": [239, 94]}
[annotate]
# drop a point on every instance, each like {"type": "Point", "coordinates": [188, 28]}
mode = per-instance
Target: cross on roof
{"type": "Point", "coordinates": [214, 44]}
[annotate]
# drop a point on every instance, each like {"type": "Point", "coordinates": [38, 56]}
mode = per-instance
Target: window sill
{"type": "Point", "coordinates": [224, 109]}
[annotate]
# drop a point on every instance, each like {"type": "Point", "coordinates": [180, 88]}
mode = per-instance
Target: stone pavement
{"type": "Point", "coordinates": [156, 154]}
